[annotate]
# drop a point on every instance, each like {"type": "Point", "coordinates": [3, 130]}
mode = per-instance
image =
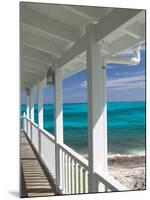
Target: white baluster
{"type": "Point", "coordinates": [81, 179]}
{"type": "Point", "coordinates": [77, 178]}
{"type": "Point", "coordinates": [69, 175]}
{"type": "Point", "coordinates": [63, 169]}
{"type": "Point", "coordinates": [86, 181]}
{"type": "Point", "coordinates": [66, 175]}
{"type": "Point", "coordinates": [73, 177]}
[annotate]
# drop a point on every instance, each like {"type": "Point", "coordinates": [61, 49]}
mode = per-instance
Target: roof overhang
{"type": "Point", "coordinates": [50, 31]}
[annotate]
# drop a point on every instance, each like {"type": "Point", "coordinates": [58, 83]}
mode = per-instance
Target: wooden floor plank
{"type": "Point", "coordinates": [34, 182]}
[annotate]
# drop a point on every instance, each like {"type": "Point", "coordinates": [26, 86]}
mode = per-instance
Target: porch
{"type": "Point", "coordinates": [53, 48]}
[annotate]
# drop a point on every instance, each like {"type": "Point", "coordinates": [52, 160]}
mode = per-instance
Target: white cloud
{"type": "Point", "coordinates": [129, 74]}
{"type": "Point", "coordinates": [131, 82]}
{"type": "Point", "coordinates": [131, 86]}
{"type": "Point", "coordinates": [128, 83]}
{"type": "Point", "coordinates": [83, 84]}
{"type": "Point", "coordinates": [120, 81]}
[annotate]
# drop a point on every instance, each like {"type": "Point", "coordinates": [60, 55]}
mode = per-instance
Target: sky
{"type": "Point", "coordinates": [124, 83]}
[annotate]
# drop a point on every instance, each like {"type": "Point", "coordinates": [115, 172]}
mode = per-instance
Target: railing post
{"type": "Point", "coordinates": [58, 124]}
{"type": "Point", "coordinates": [40, 113]}
{"type": "Point", "coordinates": [97, 122]}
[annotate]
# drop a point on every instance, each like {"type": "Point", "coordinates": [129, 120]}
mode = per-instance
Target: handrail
{"type": "Point", "coordinates": [100, 177]}
{"type": "Point", "coordinates": [109, 181]}
{"type": "Point", "coordinates": [82, 161]}
{"type": "Point", "coordinates": [46, 133]}
{"type": "Point", "coordinates": [35, 124]}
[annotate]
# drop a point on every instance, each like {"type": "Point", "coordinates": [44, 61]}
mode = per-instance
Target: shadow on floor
{"type": "Point", "coordinates": [35, 178]}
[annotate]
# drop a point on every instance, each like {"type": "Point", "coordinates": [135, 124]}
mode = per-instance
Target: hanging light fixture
{"type": "Point", "coordinates": [27, 91]}
{"type": "Point", "coordinates": [50, 77]}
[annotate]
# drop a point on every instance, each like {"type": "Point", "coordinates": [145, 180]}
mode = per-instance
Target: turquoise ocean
{"type": "Point", "coordinates": [126, 126]}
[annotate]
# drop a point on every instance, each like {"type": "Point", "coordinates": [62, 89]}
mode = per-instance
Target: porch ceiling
{"type": "Point", "coordinates": [50, 31]}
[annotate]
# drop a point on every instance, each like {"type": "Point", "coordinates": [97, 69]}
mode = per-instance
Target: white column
{"type": "Point", "coordinates": [28, 112]}
{"type": "Point", "coordinates": [28, 105]}
{"type": "Point", "coordinates": [32, 104]}
{"type": "Point", "coordinates": [40, 112]}
{"type": "Point", "coordinates": [97, 127]}
{"type": "Point", "coordinates": [40, 105]}
{"type": "Point", "coordinates": [32, 110]}
{"type": "Point", "coordinates": [58, 123]}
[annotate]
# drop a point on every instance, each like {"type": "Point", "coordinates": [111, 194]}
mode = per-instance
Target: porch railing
{"type": "Point", "coordinates": [74, 170]}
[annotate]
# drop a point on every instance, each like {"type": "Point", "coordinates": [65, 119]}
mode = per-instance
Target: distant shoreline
{"type": "Point", "coordinates": [87, 102]}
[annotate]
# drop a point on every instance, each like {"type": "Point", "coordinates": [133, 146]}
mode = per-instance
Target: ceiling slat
{"type": "Point", "coordinates": [49, 25]}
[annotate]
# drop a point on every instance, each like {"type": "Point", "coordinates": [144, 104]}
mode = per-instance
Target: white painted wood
{"type": "Point", "coordinates": [115, 23]}
{"type": "Point", "coordinates": [109, 181]}
{"type": "Point", "coordinates": [48, 25]}
{"type": "Point", "coordinates": [32, 111]}
{"type": "Point", "coordinates": [124, 43]}
{"type": "Point", "coordinates": [66, 174]}
{"type": "Point", "coordinates": [27, 69]}
{"type": "Point", "coordinates": [35, 69]}
{"type": "Point", "coordinates": [77, 177]}
{"type": "Point", "coordinates": [41, 43]}
{"type": "Point", "coordinates": [36, 54]}
{"type": "Point", "coordinates": [35, 136]}
{"type": "Point", "coordinates": [58, 106]}
{"type": "Point", "coordinates": [28, 106]}
{"type": "Point", "coordinates": [74, 10]}
{"type": "Point", "coordinates": [102, 31]}
{"type": "Point", "coordinates": [40, 111]}
{"type": "Point", "coordinates": [89, 13]}
{"type": "Point", "coordinates": [28, 80]}
{"type": "Point", "coordinates": [35, 64]}
{"type": "Point", "coordinates": [75, 156]}
{"type": "Point", "coordinates": [58, 120]}
{"type": "Point", "coordinates": [39, 29]}
{"type": "Point", "coordinates": [47, 134]}
{"type": "Point", "coordinates": [69, 175]}
{"type": "Point", "coordinates": [72, 177]}
{"type": "Point", "coordinates": [40, 105]}
{"type": "Point", "coordinates": [97, 127]}
{"type": "Point", "coordinates": [32, 105]}
{"type": "Point", "coordinates": [135, 30]}
{"type": "Point", "coordinates": [48, 156]}
{"type": "Point", "coordinates": [24, 122]}
{"type": "Point", "coordinates": [75, 50]}
{"type": "Point", "coordinates": [28, 113]}
{"type": "Point", "coordinates": [86, 181]}
{"type": "Point", "coordinates": [81, 179]}
{"type": "Point", "coordinates": [63, 170]}
{"type": "Point", "coordinates": [29, 74]}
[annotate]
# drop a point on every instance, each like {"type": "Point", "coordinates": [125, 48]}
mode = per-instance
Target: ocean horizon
{"type": "Point", "coordinates": [125, 126]}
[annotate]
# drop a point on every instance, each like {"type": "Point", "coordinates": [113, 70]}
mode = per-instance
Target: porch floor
{"type": "Point", "coordinates": [35, 181]}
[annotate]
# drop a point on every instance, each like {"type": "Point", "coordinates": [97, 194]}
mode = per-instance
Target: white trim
{"type": "Point", "coordinates": [58, 123]}
{"type": "Point", "coordinates": [40, 21]}
{"type": "Point", "coordinates": [41, 43]}
{"type": "Point", "coordinates": [40, 105]}
{"type": "Point", "coordinates": [36, 54]}
{"type": "Point", "coordinates": [32, 105]}
{"type": "Point", "coordinates": [97, 127]}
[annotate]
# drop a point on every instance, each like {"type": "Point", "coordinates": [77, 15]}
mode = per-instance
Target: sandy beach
{"type": "Point", "coordinates": [128, 170]}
